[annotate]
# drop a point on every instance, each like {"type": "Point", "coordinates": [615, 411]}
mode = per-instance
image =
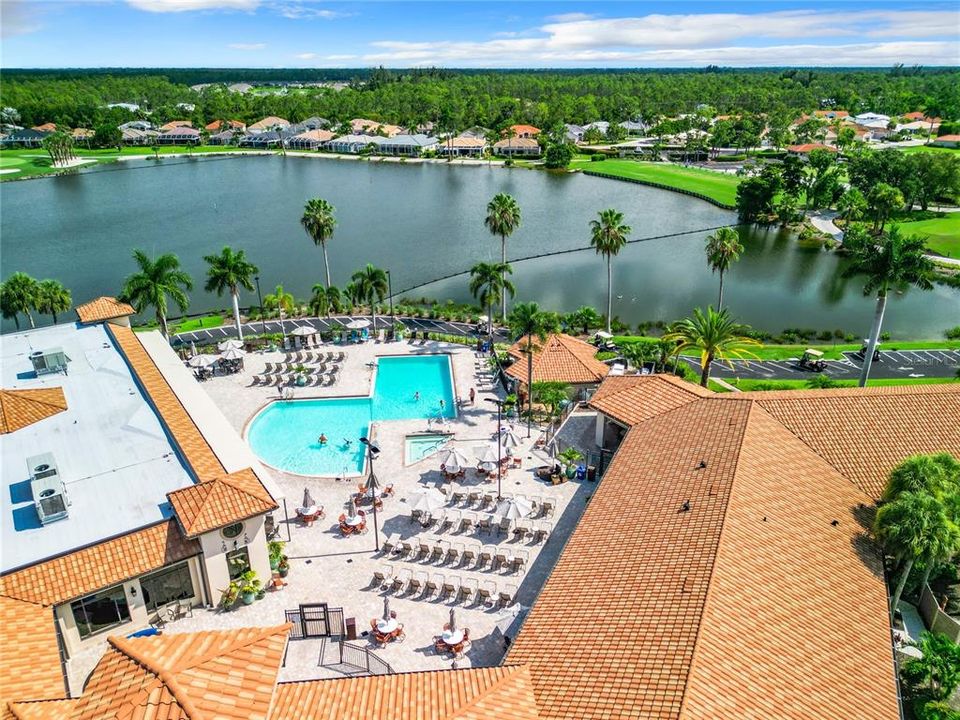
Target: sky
{"type": "Point", "coordinates": [494, 33]}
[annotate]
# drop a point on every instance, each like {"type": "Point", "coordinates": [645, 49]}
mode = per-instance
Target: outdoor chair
{"type": "Point", "coordinates": [416, 582]}
{"type": "Point", "coordinates": [448, 587]}
{"type": "Point", "coordinates": [469, 553]}
{"type": "Point", "coordinates": [453, 552]}
{"type": "Point", "coordinates": [424, 548]}
{"type": "Point", "coordinates": [541, 533]}
{"type": "Point", "coordinates": [437, 551]}
{"type": "Point", "coordinates": [473, 497]}
{"type": "Point", "coordinates": [444, 521]}
{"type": "Point", "coordinates": [382, 574]}
{"type": "Point", "coordinates": [505, 596]}
{"type": "Point", "coordinates": [486, 591]}
{"type": "Point", "coordinates": [468, 589]}
{"type": "Point", "coordinates": [521, 531]}
{"type": "Point", "coordinates": [504, 526]}
{"type": "Point", "coordinates": [546, 507]}
{"type": "Point", "coordinates": [432, 585]}
{"type": "Point", "coordinates": [466, 522]}
{"type": "Point", "coordinates": [391, 543]}
{"type": "Point", "coordinates": [520, 561]}
{"type": "Point", "coordinates": [457, 496]}
{"type": "Point", "coordinates": [499, 559]}
{"type": "Point", "coordinates": [400, 580]}
{"type": "Point", "coordinates": [485, 557]}
{"type": "Point", "coordinates": [416, 516]}
{"type": "Point", "coordinates": [406, 547]}
{"type": "Point", "coordinates": [182, 609]}
{"type": "Point", "coordinates": [483, 524]}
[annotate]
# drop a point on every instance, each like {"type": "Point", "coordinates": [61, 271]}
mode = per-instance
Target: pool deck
{"type": "Point", "coordinates": [326, 567]}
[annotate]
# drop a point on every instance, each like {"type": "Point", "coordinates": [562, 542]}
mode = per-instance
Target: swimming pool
{"type": "Point", "coordinates": [417, 447]}
{"type": "Point", "coordinates": [285, 435]}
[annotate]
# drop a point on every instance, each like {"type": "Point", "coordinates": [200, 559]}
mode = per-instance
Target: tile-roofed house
{"type": "Point", "coordinates": [62, 709]}
{"type": "Point", "coordinates": [173, 124]}
{"type": "Point", "coordinates": [631, 399]}
{"type": "Point", "coordinates": [29, 655]}
{"type": "Point", "coordinates": [179, 135]}
{"type": "Point", "coordinates": [221, 125]}
{"type": "Point", "coordinates": [220, 502]}
{"type": "Point", "coordinates": [523, 146]}
{"type": "Point", "coordinates": [362, 126]}
{"type": "Point", "coordinates": [103, 308]}
{"type": "Point", "coordinates": [353, 143]}
{"type": "Point", "coordinates": [807, 148]}
{"type": "Point", "coordinates": [559, 358]}
{"type": "Point", "coordinates": [503, 692]}
{"type": "Point", "coordinates": [525, 131]}
{"type": "Point", "coordinates": [20, 408]}
{"type": "Point", "coordinates": [268, 123]}
{"type": "Point", "coordinates": [81, 133]}
{"type": "Point", "coordinates": [310, 139]}
{"type": "Point", "coordinates": [411, 145]}
{"type": "Point", "coordinates": [261, 139]}
{"type": "Point", "coordinates": [226, 137]}
{"type": "Point", "coordinates": [462, 145]}
{"type": "Point", "coordinates": [46, 127]}
{"type": "Point", "coordinates": [947, 141]}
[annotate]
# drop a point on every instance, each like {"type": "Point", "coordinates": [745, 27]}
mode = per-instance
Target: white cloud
{"type": "Point", "coordinates": [337, 58]}
{"type": "Point", "coordinates": [163, 6]}
{"type": "Point", "coordinates": [304, 12]}
{"type": "Point", "coordinates": [570, 17]}
{"type": "Point", "coordinates": [16, 19]}
{"type": "Point", "coordinates": [247, 46]}
{"type": "Point", "coordinates": [306, 56]}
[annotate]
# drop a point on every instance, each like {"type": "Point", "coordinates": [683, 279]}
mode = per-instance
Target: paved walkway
{"type": "Point", "coordinates": [823, 221]}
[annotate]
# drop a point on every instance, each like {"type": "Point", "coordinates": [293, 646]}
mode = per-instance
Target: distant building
{"type": "Point", "coordinates": [476, 131]}
{"type": "Point", "coordinates": [633, 127]}
{"type": "Point", "coordinates": [362, 126]}
{"type": "Point", "coordinates": [574, 133]}
{"type": "Point", "coordinates": [46, 127]}
{"type": "Point", "coordinates": [137, 125]}
{"type": "Point", "coordinates": [181, 135]}
{"type": "Point", "coordinates": [353, 144]}
{"type": "Point", "coordinates": [240, 87]}
{"type": "Point", "coordinates": [261, 140]}
{"type": "Point", "coordinates": [407, 145]}
{"type": "Point", "coordinates": [133, 136]}
{"type": "Point", "coordinates": [517, 147]}
{"type": "Point", "coordinates": [525, 131]}
{"type": "Point", "coordinates": [269, 123]}
{"type": "Point", "coordinates": [25, 137]}
{"type": "Point", "coordinates": [947, 141]}
{"type": "Point", "coordinates": [310, 140]}
{"type": "Point", "coordinates": [461, 146]}
{"type": "Point", "coordinates": [807, 148]}
{"type": "Point", "coordinates": [219, 125]}
{"type": "Point", "coordinates": [224, 137]}
{"type": "Point", "coordinates": [175, 124]}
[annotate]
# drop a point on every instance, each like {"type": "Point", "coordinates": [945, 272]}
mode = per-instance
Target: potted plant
{"type": "Point", "coordinates": [509, 405]}
{"type": "Point", "coordinates": [275, 548]}
{"type": "Point", "coordinates": [283, 568]}
{"type": "Point", "coordinates": [301, 377]}
{"type": "Point", "coordinates": [249, 586]}
{"type": "Point", "coordinates": [570, 457]}
{"type": "Point", "coordinates": [229, 596]}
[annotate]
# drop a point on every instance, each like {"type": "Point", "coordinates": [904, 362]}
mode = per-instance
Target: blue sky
{"type": "Point", "coordinates": [307, 33]}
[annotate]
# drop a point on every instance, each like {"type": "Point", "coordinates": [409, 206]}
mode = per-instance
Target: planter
{"type": "Point", "coordinates": [248, 598]}
{"type": "Point", "coordinates": [274, 564]}
{"type": "Point", "coordinates": [301, 381]}
{"type": "Point", "coordinates": [283, 570]}
{"type": "Point", "coordinates": [570, 472]}
{"type": "Point", "coordinates": [261, 593]}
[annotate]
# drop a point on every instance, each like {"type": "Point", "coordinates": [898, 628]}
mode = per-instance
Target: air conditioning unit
{"type": "Point", "coordinates": [53, 360]}
{"type": "Point", "coordinates": [46, 485]}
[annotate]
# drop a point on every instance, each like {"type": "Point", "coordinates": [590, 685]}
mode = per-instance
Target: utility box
{"type": "Point", "coordinates": [47, 488]}
{"type": "Point", "coordinates": [49, 361]}
{"type": "Point", "coordinates": [350, 627]}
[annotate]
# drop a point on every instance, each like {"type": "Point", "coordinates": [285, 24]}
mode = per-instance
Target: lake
{"type": "Point", "coordinates": [425, 221]}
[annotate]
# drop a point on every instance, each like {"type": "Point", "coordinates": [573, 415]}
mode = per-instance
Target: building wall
{"type": "Point", "coordinates": [215, 548]}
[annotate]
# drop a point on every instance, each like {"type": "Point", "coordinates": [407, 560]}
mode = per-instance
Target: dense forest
{"type": "Point", "coordinates": [461, 98]}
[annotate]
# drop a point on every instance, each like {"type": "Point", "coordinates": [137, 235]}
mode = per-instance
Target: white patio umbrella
{"type": "Point", "coordinates": [358, 324]}
{"type": "Point", "coordinates": [426, 500]}
{"type": "Point", "coordinates": [490, 454]}
{"type": "Point", "coordinates": [232, 354]}
{"type": "Point", "coordinates": [454, 460]}
{"type": "Point", "coordinates": [386, 608]}
{"type": "Point", "coordinates": [230, 344]}
{"type": "Point", "coordinates": [304, 330]}
{"type": "Point", "coordinates": [911, 651]}
{"type": "Point", "coordinates": [199, 361]}
{"type": "Point", "coordinates": [603, 334]}
{"type": "Point", "coordinates": [514, 508]}
{"type": "Point", "coordinates": [509, 440]}
{"type": "Point", "coordinates": [308, 501]}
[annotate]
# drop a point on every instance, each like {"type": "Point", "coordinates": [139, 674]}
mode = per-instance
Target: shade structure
{"type": "Point", "coordinates": [358, 324]}
{"type": "Point", "coordinates": [483, 319]}
{"type": "Point", "coordinates": [200, 361]}
{"type": "Point", "coordinates": [509, 619]}
{"type": "Point", "coordinates": [509, 439]}
{"type": "Point", "coordinates": [232, 354]}
{"type": "Point", "coordinates": [490, 454]}
{"type": "Point", "coordinates": [308, 501]}
{"type": "Point", "coordinates": [386, 608]}
{"type": "Point", "coordinates": [303, 330]}
{"type": "Point", "coordinates": [488, 466]}
{"type": "Point", "coordinates": [454, 460]}
{"type": "Point", "coordinates": [514, 508]}
{"type": "Point", "coordinates": [603, 334]}
{"type": "Point", "coordinates": [231, 343]}
{"type": "Point", "coordinates": [453, 620]}
{"type": "Point", "coordinates": [911, 651]}
{"type": "Point", "coordinates": [426, 500]}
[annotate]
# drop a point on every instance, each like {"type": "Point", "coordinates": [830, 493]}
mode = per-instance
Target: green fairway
{"type": "Point", "coordinates": [943, 233]}
{"type": "Point", "coordinates": [762, 385]}
{"type": "Point", "coordinates": [928, 148]}
{"type": "Point", "coordinates": [717, 186]}
{"type": "Point", "coordinates": [201, 323]}
{"type": "Point", "coordinates": [830, 352]}
{"type": "Point", "coordinates": [9, 161]}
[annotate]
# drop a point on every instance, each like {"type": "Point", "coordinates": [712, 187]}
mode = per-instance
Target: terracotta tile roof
{"type": "Point", "coordinates": [948, 138]}
{"type": "Point", "coordinates": [217, 125]}
{"type": "Point", "coordinates": [522, 130]}
{"type": "Point", "coordinates": [43, 710]}
{"type": "Point", "coordinates": [46, 127]}
{"type": "Point", "coordinates": [319, 135]}
{"type": "Point", "coordinates": [176, 124]}
{"type": "Point", "coordinates": [217, 503]}
{"type": "Point", "coordinates": [29, 655]}
{"type": "Point", "coordinates": [20, 408]}
{"type": "Point", "coordinates": [103, 308]}
{"type": "Point", "coordinates": [504, 692]}
{"type": "Point", "coordinates": [268, 122]}
{"type": "Point", "coordinates": [81, 572]}
{"type": "Point", "coordinates": [630, 399]}
{"type": "Point", "coordinates": [560, 358]}
{"type": "Point", "coordinates": [227, 675]}
{"type": "Point", "coordinates": [517, 142]}
{"type": "Point", "coordinates": [188, 438]}
{"type": "Point", "coordinates": [865, 433]}
{"type": "Point", "coordinates": [809, 147]}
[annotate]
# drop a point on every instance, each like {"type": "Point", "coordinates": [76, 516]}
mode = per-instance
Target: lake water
{"type": "Point", "coordinates": [424, 221]}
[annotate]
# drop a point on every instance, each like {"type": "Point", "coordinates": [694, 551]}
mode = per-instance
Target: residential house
{"type": "Point", "coordinates": [634, 127]}
{"type": "Point", "coordinates": [807, 148]}
{"type": "Point", "coordinates": [947, 141]}
{"type": "Point", "coordinates": [82, 135]}
{"type": "Point", "coordinates": [269, 123]}
{"type": "Point", "coordinates": [310, 140]}
{"type": "Point", "coordinates": [179, 136]}
{"type": "Point", "coordinates": [133, 136]}
{"type": "Point", "coordinates": [175, 124]}
{"type": "Point", "coordinates": [221, 125]}
{"type": "Point", "coordinates": [525, 131]}
{"type": "Point", "coordinates": [46, 127]}
{"type": "Point", "coordinates": [136, 492]}
{"type": "Point", "coordinates": [517, 147]}
{"type": "Point", "coordinates": [261, 140]}
{"type": "Point", "coordinates": [831, 114]}
{"type": "Point", "coordinates": [477, 132]}
{"type": "Point", "coordinates": [462, 146]}
{"type": "Point", "coordinates": [407, 145]}
{"type": "Point", "coordinates": [574, 133]}
{"type": "Point", "coordinates": [240, 87]}
{"type": "Point", "coordinates": [311, 123]}
{"type": "Point", "coordinates": [137, 125]}
{"type": "Point", "coordinates": [353, 144]}
{"type": "Point", "coordinates": [25, 137]}
{"type": "Point", "coordinates": [362, 126]}
{"type": "Point", "coordinates": [602, 125]}
{"type": "Point", "coordinates": [226, 137]}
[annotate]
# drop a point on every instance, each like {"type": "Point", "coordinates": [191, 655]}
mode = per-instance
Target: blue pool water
{"type": "Point", "coordinates": [285, 435]}
{"type": "Point", "coordinates": [420, 446]}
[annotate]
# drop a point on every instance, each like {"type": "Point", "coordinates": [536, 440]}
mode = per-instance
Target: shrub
{"type": "Point", "coordinates": [596, 157]}
{"type": "Point", "coordinates": [606, 355]}
{"type": "Point", "coordinates": [953, 333]}
{"type": "Point", "coordinates": [885, 336]}
{"type": "Point", "coordinates": [826, 336]}
{"type": "Point", "coordinates": [822, 382]}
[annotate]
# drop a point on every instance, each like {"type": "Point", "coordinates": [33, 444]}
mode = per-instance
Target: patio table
{"type": "Point", "coordinates": [354, 521]}
{"type": "Point", "coordinates": [452, 638]}
{"type": "Point", "coordinates": [387, 626]}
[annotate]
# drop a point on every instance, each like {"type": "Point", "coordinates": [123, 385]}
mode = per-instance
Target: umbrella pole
{"type": "Point", "coordinates": [499, 468]}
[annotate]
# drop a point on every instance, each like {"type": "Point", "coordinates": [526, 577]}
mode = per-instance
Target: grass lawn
{"type": "Point", "coordinates": [199, 323]}
{"type": "Point", "coordinates": [928, 148]}
{"type": "Point", "coordinates": [718, 186]}
{"type": "Point", "coordinates": [831, 352]}
{"type": "Point", "coordinates": [759, 385]}
{"type": "Point", "coordinates": [943, 233]}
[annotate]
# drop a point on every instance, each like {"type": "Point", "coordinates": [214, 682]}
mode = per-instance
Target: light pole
{"type": "Point", "coordinates": [372, 485]}
{"type": "Point", "coordinates": [390, 294]}
{"type": "Point", "coordinates": [263, 320]}
{"type": "Point", "coordinates": [499, 403]}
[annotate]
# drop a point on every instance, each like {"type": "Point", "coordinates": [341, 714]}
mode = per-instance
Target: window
{"type": "Point", "coordinates": [166, 586]}
{"type": "Point", "coordinates": [100, 611]}
{"type": "Point", "coordinates": [232, 531]}
{"type": "Point", "coordinates": [238, 562]}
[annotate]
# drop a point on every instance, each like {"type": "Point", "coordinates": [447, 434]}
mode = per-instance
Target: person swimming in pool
{"type": "Point", "coordinates": [416, 396]}
{"type": "Point", "coordinates": [443, 405]}
{"type": "Point", "coordinates": [322, 439]}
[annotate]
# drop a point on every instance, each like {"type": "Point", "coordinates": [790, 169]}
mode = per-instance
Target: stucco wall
{"type": "Point", "coordinates": [215, 548]}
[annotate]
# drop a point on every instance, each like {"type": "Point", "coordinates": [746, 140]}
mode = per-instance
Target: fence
{"type": "Point", "coordinates": [362, 658]}
{"type": "Point", "coordinates": [935, 618]}
{"type": "Point", "coordinates": [316, 620]}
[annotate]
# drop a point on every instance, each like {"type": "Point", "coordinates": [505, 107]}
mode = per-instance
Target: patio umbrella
{"type": "Point", "coordinates": [358, 324]}
{"type": "Point", "coordinates": [230, 344]}
{"type": "Point", "coordinates": [603, 334]}
{"type": "Point", "coordinates": [509, 619]}
{"type": "Point", "coordinates": [514, 508]}
{"type": "Point", "coordinates": [453, 620]}
{"type": "Point", "coordinates": [307, 499]}
{"type": "Point", "coordinates": [200, 361]}
{"type": "Point", "coordinates": [426, 500]}
{"type": "Point", "coordinates": [193, 348]}
{"type": "Point", "coordinates": [488, 466]}
{"type": "Point", "coordinates": [911, 651]}
{"type": "Point", "coordinates": [509, 440]}
{"type": "Point", "coordinates": [489, 454]}
{"type": "Point", "coordinates": [386, 608]}
{"type": "Point", "coordinates": [454, 460]}
{"type": "Point", "coordinates": [304, 330]}
{"type": "Point", "coordinates": [232, 354]}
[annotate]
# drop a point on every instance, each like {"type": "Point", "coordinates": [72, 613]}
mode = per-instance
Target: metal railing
{"type": "Point", "coordinates": [361, 657]}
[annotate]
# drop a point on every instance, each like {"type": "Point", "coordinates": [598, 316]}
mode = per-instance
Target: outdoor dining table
{"type": "Point", "coordinates": [452, 637]}
{"type": "Point", "coordinates": [387, 626]}
{"type": "Point", "coordinates": [308, 514]}
{"type": "Point", "coordinates": [354, 521]}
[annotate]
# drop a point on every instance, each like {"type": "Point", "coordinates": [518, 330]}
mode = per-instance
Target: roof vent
{"type": "Point", "coordinates": [685, 507]}
{"type": "Point", "coordinates": [49, 493]}
{"type": "Point", "coordinates": [49, 361]}
{"type": "Point", "coordinates": [702, 465]}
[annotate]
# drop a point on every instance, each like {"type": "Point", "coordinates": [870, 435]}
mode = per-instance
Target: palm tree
{"type": "Point", "coordinates": [488, 285]}
{"type": "Point", "coordinates": [52, 298]}
{"type": "Point", "coordinates": [319, 222]}
{"type": "Point", "coordinates": [503, 218]}
{"type": "Point", "coordinates": [19, 297]}
{"type": "Point", "coordinates": [280, 300]}
{"type": "Point", "coordinates": [608, 236]}
{"type": "Point", "coordinates": [723, 249]}
{"type": "Point", "coordinates": [153, 282]}
{"type": "Point", "coordinates": [937, 474]}
{"type": "Point", "coordinates": [371, 284]}
{"type": "Point", "coordinates": [229, 271]}
{"type": "Point", "coordinates": [527, 321]}
{"type": "Point", "coordinates": [913, 528]}
{"type": "Point", "coordinates": [325, 299]}
{"type": "Point", "coordinates": [584, 317]}
{"type": "Point", "coordinates": [714, 334]}
{"type": "Point", "coordinates": [893, 261]}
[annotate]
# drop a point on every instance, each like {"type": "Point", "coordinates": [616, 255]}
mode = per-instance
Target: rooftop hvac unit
{"type": "Point", "coordinates": [46, 485]}
{"type": "Point", "coordinates": [53, 360]}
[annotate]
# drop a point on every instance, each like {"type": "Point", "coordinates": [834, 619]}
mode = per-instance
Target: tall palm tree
{"type": "Point", "coordinates": [714, 334]}
{"type": "Point", "coordinates": [915, 528]}
{"type": "Point", "coordinates": [488, 285]}
{"type": "Point", "coordinates": [371, 284]}
{"type": "Point", "coordinates": [229, 271]}
{"type": "Point", "coordinates": [723, 249]}
{"type": "Point", "coordinates": [892, 261]}
{"type": "Point", "coordinates": [937, 474]}
{"type": "Point", "coordinates": [153, 282]}
{"type": "Point", "coordinates": [608, 236]}
{"type": "Point", "coordinates": [503, 218]}
{"type": "Point", "coordinates": [319, 222]}
{"type": "Point", "coordinates": [279, 300]}
{"type": "Point", "coordinates": [19, 297]}
{"type": "Point", "coordinates": [53, 298]}
{"type": "Point", "coordinates": [528, 321]}
{"type": "Point", "coordinates": [325, 299]}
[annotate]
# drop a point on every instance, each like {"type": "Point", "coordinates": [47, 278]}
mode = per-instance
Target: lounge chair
{"type": "Point", "coordinates": [437, 550]}
{"type": "Point", "coordinates": [382, 574]}
{"type": "Point", "coordinates": [483, 525]}
{"type": "Point", "coordinates": [506, 595]}
{"type": "Point", "coordinates": [466, 523]}
{"type": "Point", "coordinates": [520, 561]}
{"type": "Point", "coordinates": [485, 557]}
{"type": "Point", "coordinates": [400, 580]}
{"type": "Point", "coordinates": [432, 585]}
{"type": "Point", "coordinates": [504, 526]}
{"type": "Point", "coordinates": [468, 589]}
{"type": "Point", "coordinates": [406, 548]}
{"type": "Point", "coordinates": [424, 548]}
{"type": "Point", "coordinates": [470, 553]}
{"type": "Point", "coordinates": [416, 582]}
{"type": "Point", "coordinates": [485, 592]}
{"type": "Point", "coordinates": [547, 507]}
{"type": "Point", "coordinates": [500, 559]}
{"type": "Point", "coordinates": [448, 587]}
{"type": "Point", "coordinates": [391, 543]}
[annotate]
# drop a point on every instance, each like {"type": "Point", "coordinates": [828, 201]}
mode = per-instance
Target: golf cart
{"type": "Point", "coordinates": [863, 350]}
{"type": "Point", "coordinates": [812, 360]}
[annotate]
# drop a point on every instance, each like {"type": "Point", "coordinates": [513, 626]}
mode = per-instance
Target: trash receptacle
{"type": "Point", "coordinates": [350, 625]}
{"type": "Point", "coordinates": [592, 473]}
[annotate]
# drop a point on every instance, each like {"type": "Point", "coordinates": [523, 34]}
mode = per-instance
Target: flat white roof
{"type": "Point", "coordinates": [112, 452]}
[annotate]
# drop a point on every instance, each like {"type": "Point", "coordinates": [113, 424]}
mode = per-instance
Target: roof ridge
{"type": "Point", "coordinates": [256, 634]}
{"type": "Point", "coordinates": [163, 676]}
{"type": "Point", "coordinates": [481, 694]}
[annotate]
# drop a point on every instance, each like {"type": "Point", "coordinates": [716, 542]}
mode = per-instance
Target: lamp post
{"type": "Point", "coordinates": [499, 403]}
{"type": "Point", "coordinates": [372, 485]}
{"type": "Point", "coordinates": [390, 294]}
{"type": "Point", "coordinates": [263, 320]}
